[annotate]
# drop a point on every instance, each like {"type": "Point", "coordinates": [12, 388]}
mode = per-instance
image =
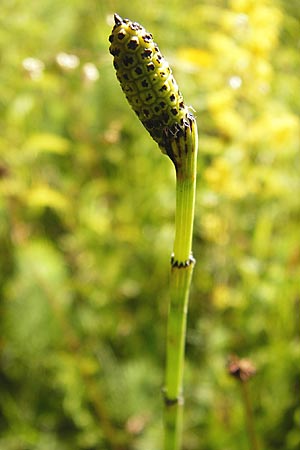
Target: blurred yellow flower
{"type": "Point", "coordinates": [215, 228]}
{"type": "Point", "coordinates": [284, 131]}
{"type": "Point", "coordinates": [195, 56]}
{"type": "Point", "coordinates": [264, 29]}
{"type": "Point", "coordinates": [221, 104]}
{"type": "Point", "coordinates": [219, 100]}
{"type": "Point", "coordinates": [262, 70]}
{"type": "Point", "coordinates": [43, 142]}
{"type": "Point", "coordinates": [230, 123]}
{"type": "Point", "coordinates": [261, 42]}
{"type": "Point", "coordinates": [276, 131]}
{"type": "Point", "coordinates": [265, 17]}
{"type": "Point", "coordinates": [221, 296]}
{"type": "Point", "coordinates": [42, 196]}
{"type": "Point", "coordinates": [218, 174]}
{"type": "Point", "coordinates": [224, 177]}
{"type": "Point", "coordinates": [224, 297]}
{"type": "Point", "coordinates": [237, 188]}
{"type": "Point", "coordinates": [242, 5]}
{"type": "Point", "coordinates": [222, 44]}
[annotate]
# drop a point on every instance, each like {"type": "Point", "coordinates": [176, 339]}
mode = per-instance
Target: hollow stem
{"type": "Point", "coordinates": [184, 156]}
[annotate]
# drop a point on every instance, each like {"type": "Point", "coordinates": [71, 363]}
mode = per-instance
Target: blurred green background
{"type": "Point", "coordinates": [86, 227]}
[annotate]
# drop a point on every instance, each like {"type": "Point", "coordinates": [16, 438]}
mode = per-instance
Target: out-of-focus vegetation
{"type": "Point", "coordinates": [86, 227]}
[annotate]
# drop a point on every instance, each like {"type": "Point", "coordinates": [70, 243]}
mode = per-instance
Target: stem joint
{"type": "Point", "coordinates": [181, 264]}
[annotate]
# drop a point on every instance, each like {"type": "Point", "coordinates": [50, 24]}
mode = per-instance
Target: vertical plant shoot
{"type": "Point", "coordinates": [150, 88]}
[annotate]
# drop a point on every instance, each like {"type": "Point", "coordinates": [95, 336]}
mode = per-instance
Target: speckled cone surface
{"type": "Point", "coordinates": [147, 81]}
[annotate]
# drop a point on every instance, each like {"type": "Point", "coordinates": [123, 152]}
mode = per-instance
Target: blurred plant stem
{"type": "Point", "coordinates": [253, 443]}
{"type": "Point", "coordinates": [183, 152]}
{"type": "Point", "coordinates": [242, 370]}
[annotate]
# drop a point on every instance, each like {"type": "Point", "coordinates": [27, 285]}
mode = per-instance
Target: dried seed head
{"type": "Point", "coordinates": [147, 81]}
{"type": "Point", "coordinates": [242, 369]}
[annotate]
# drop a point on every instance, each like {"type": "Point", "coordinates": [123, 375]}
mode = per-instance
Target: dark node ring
{"type": "Point", "coordinates": [172, 401]}
{"type": "Point", "coordinates": [182, 264]}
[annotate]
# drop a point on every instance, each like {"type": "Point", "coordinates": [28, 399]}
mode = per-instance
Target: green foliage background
{"type": "Point", "coordinates": [86, 227]}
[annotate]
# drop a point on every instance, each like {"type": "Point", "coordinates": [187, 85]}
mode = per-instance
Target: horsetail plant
{"type": "Point", "coordinates": [151, 90]}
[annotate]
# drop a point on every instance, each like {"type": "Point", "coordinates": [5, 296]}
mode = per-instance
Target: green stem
{"type": "Point", "coordinates": [253, 443]}
{"type": "Point", "coordinates": [185, 202]}
{"type": "Point", "coordinates": [184, 156]}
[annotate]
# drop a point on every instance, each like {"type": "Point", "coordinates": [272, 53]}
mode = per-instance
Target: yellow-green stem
{"type": "Point", "coordinates": [185, 198]}
{"type": "Point", "coordinates": [184, 156]}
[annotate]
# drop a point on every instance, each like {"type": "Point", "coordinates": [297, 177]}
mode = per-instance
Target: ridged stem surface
{"type": "Point", "coordinates": [184, 156]}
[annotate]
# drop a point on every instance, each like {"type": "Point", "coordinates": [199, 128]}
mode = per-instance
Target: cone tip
{"type": "Point", "coordinates": [118, 19]}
